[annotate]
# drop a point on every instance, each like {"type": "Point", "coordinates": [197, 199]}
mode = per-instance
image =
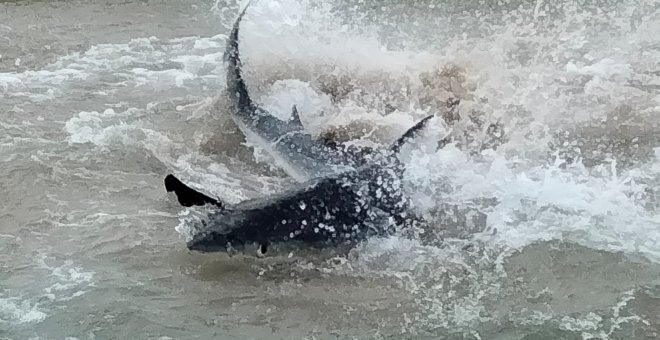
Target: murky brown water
{"type": "Point", "coordinates": [99, 100]}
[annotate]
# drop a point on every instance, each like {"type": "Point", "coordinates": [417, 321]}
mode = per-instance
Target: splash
{"type": "Point", "coordinates": [556, 136]}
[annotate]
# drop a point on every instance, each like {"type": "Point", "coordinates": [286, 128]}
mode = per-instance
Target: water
{"type": "Point", "coordinates": [548, 230]}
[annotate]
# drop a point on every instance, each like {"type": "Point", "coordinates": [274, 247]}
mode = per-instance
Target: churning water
{"type": "Point", "coordinates": [544, 210]}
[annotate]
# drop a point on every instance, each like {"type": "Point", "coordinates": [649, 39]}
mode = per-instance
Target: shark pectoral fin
{"type": "Point", "coordinates": [396, 146]}
{"type": "Point", "coordinates": [295, 118]}
{"type": "Point", "coordinates": [187, 196]}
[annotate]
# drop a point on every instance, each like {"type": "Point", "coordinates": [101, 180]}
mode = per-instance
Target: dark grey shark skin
{"type": "Point", "coordinates": [327, 212]}
{"type": "Point", "coordinates": [341, 209]}
{"type": "Point", "coordinates": [299, 154]}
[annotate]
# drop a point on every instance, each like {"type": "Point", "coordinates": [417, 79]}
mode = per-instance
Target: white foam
{"type": "Point", "coordinates": [284, 94]}
{"type": "Point", "coordinates": [327, 42]}
{"type": "Point", "coordinates": [111, 130]}
{"type": "Point", "coordinates": [65, 281]}
{"type": "Point", "coordinates": [7, 80]}
{"type": "Point", "coordinates": [97, 128]}
{"type": "Point", "coordinates": [545, 202]}
{"type": "Point", "coordinates": [20, 311]}
{"type": "Point", "coordinates": [139, 62]}
{"type": "Point", "coordinates": [605, 68]}
{"type": "Point", "coordinates": [166, 77]}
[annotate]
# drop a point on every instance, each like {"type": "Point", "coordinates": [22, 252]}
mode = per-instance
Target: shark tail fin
{"type": "Point", "coordinates": [231, 52]}
{"type": "Point", "coordinates": [186, 195]}
{"type": "Point", "coordinates": [235, 84]}
{"type": "Point", "coordinates": [396, 146]}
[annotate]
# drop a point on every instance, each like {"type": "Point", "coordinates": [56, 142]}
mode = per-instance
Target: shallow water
{"type": "Point", "coordinates": [549, 230]}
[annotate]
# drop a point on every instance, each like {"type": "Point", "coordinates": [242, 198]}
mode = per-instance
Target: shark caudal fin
{"type": "Point", "coordinates": [186, 195]}
{"type": "Point", "coordinates": [236, 87]}
{"type": "Point", "coordinates": [410, 134]}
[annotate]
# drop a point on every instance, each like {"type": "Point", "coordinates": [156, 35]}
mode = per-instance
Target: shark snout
{"type": "Point", "coordinates": [215, 242]}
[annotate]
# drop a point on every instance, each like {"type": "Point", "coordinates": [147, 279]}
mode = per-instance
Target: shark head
{"type": "Point", "coordinates": [216, 234]}
{"type": "Point", "coordinates": [213, 242]}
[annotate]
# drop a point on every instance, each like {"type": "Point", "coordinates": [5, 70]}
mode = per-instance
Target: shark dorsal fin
{"type": "Point", "coordinates": [409, 134]}
{"type": "Point", "coordinates": [295, 117]}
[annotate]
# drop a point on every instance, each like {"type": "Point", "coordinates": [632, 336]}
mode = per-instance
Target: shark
{"type": "Point", "coordinates": [344, 194]}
